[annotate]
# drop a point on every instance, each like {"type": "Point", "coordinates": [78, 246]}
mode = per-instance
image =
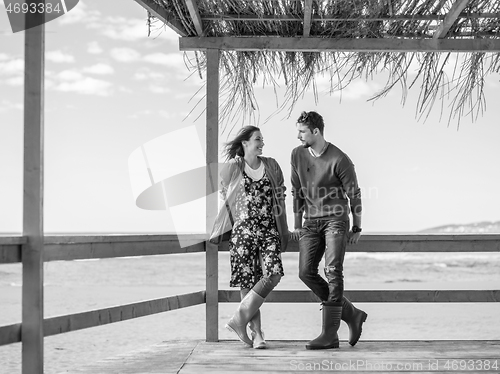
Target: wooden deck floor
{"type": "Point", "coordinates": [186, 357]}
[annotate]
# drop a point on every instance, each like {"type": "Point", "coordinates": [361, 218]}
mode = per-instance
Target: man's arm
{"type": "Point", "coordinates": [356, 221]}
{"type": "Point", "coordinates": [350, 185]}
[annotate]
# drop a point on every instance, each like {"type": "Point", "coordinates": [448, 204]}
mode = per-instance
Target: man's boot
{"type": "Point", "coordinates": [332, 313]}
{"type": "Point", "coordinates": [246, 310]}
{"type": "Point", "coordinates": [354, 318]}
{"type": "Point", "coordinates": [256, 331]}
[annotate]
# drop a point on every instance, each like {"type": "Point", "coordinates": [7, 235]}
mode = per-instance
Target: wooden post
{"type": "Point", "coordinates": [32, 252]}
{"type": "Point", "coordinates": [212, 142]}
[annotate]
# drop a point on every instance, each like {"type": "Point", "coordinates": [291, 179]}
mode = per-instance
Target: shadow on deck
{"type": "Point", "coordinates": [196, 356]}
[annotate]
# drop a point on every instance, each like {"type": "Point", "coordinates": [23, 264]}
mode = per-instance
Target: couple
{"type": "Point", "coordinates": [325, 191]}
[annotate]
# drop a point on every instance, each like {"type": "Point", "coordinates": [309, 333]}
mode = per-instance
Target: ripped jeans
{"type": "Point", "coordinates": [329, 238]}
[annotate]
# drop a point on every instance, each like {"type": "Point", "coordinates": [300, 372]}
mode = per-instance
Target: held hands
{"type": "Point", "coordinates": [295, 234]}
{"type": "Point", "coordinates": [352, 238]}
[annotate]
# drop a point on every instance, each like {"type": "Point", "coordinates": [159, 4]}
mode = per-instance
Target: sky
{"type": "Point", "coordinates": [114, 93]}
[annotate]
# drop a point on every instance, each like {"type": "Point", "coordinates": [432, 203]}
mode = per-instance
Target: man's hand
{"type": "Point", "coordinates": [295, 234]}
{"type": "Point", "coordinates": [353, 237]}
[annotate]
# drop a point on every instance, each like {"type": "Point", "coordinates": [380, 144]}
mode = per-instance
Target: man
{"type": "Point", "coordinates": [324, 186]}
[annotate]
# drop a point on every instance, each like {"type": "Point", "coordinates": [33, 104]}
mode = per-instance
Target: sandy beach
{"type": "Point", "coordinates": [84, 285]}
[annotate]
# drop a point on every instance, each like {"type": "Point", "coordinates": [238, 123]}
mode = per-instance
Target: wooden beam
{"type": "Point", "coordinates": [195, 16]}
{"type": "Point", "coordinates": [99, 317]}
{"type": "Point", "coordinates": [32, 252]}
{"type": "Point", "coordinates": [307, 17]}
{"type": "Point", "coordinates": [378, 296]}
{"type": "Point", "coordinates": [417, 243]}
{"type": "Point", "coordinates": [10, 253]}
{"type": "Point", "coordinates": [10, 334]}
{"type": "Point", "coordinates": [94, 318]}
{"type": "Point", "coordinates": [10, 249]}
{"type": "Point", "coordinates": [212, 151]}
{"type": "Point", "coordinates": [162, 14]}
{"type": "Point", "coordinates": [450, 19]}
{"type": "Point", "coordinates": [64, 248]}
{"type": "Point", "coordinates": [271, 43]}
{"type": "Point", "coordinates": [335, 18]}
{"type": "Point", "coordinates": [78, 248]}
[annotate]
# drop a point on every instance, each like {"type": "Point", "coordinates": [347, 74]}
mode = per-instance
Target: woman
{"type": "Point", "coordinates": [253, 188]}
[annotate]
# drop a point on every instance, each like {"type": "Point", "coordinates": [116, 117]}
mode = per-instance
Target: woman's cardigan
{"type": "Point", "coordinates": [231, 176]}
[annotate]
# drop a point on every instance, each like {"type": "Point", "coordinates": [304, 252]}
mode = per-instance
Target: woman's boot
{"type": "Point", "coordinates": [332, 312]}
{"type": "Point", "coordinates": [354, 318]}
{"type": "Point", "coordinates": [246, 310]}
{"type": "Point", "coordinates": [257, 333]}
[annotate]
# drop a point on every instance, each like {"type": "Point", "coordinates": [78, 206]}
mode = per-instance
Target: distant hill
{"type": "Point", "coordinates": [476, 227]}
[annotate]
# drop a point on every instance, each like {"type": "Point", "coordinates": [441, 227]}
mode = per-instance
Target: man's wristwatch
{"type": "Point", "coordinates": [356, 229]}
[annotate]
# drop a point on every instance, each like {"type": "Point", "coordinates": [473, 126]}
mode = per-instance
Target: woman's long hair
{"type": "Point", "coordinates": [234, 147]}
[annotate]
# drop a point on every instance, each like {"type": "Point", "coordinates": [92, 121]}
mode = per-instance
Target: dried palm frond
{"type": "Point", "coordinates": [440, 76]}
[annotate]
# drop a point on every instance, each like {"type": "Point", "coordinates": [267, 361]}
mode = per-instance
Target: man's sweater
{"type": "Point", "coordinates": [322, 185]}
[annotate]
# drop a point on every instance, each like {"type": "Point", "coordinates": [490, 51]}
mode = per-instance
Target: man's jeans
{"type": "Point", "coordinates": [323, 237]}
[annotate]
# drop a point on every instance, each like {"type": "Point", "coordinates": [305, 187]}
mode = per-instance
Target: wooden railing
{"type": "Point", "coordinates": [65, 248]}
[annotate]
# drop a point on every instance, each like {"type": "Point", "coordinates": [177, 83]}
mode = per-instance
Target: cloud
{"type": "Point", "coordinates": [6, 105]}
{"type": "Point", "coordinates": [86, 86]}
{"type": "Point", "coordinates": [358, 89]}
{"type": "Point", "coordinates": [79, 14]}
{"type": "Point", "coordinates": [172, 60]}
{"type": "Point", "coordinates": [167, 115]}
{"type": "Point", "coordinates": [146, 74]}
{"type": "Point", "coordinates": [94, 48]}
{"type": "Point", "coordinates": [141, 113]}
{"type": "Point", "coordinates": [159, 89]}
{"type": "Point", "coordinates": [12, 67]}
{"type": "Point", "coordinates": [125, 54]}
{"type": "Point", "coordinates": [77, 82]}
{"type": "Point", "coordinates": [3, 57]}
{"type": "Point", "coordinates": [134, 29]}
{"type": "Point", "coordinates": [69, 75]}
{"type": "Point", "coordinates": [15, 81]}
{"type": "Point", "coordinates": [120, 28]}
{"type": "Point", "coordinates": [59, 57]}
{"type": "Point", "coordinates": [99, 69]}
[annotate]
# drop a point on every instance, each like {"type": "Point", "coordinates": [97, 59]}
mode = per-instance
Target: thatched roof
{"type": "Point", "coordinates": [297, 40]}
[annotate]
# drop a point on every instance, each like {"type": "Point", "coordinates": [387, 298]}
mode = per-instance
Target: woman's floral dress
{"type": "Point", "coordinates": [254, 231]}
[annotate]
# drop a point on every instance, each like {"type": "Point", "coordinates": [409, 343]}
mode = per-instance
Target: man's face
{"type": "Point", "coordinates": [305, 135]}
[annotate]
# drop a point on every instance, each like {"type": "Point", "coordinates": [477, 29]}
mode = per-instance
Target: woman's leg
{"type": "Point", "coordinates": [249, 305]}
{"type": "Point", "coordinates": [247, 308]}
{"type": "Point", "coordinates": [263, 288]}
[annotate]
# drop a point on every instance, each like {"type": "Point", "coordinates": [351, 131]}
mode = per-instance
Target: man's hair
{"type": "Point", "coordinates": [312, 120]}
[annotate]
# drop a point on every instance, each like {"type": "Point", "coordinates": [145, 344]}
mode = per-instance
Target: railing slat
{"type": "Point", "coordinates": [10, 253]}
{"type": "Point", "coordinates": [80, 251]}
{"type": "Point", "coordinates": [78, 321]}
{"type": "Point", "coordinates": [417, 243]}
{"type": "Point", "coordinates": [93, 318]}
{"type": "Point", "coordinates": [378, 296]}
{"type": "Point", "coordinates": [60, 248]}
{"type": "Point", "coordinates": [10, 334]}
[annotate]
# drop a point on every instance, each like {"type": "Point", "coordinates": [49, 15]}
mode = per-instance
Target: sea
{"type": "Point", "coordinates": [82, 285]}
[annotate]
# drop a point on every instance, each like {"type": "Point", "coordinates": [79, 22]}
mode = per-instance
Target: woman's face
{"type": "Point", "coordinates": [254, 145]}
